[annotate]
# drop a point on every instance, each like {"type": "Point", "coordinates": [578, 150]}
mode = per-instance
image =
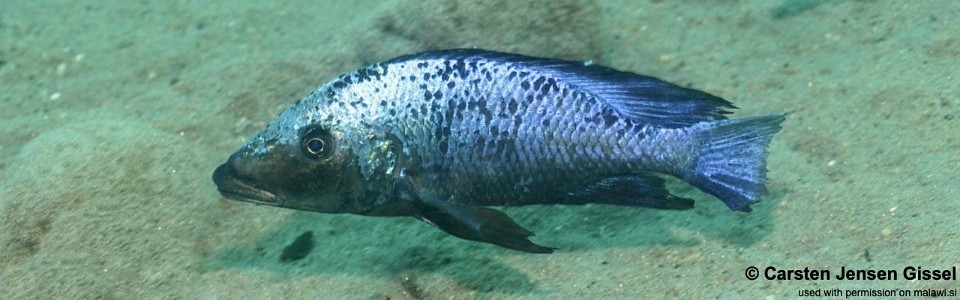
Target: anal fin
{"type": "Point", "coordinates": [644, 190]}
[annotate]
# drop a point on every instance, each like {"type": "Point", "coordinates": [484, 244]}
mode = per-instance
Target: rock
{"type": "Point", "coordinates": [102, 209]}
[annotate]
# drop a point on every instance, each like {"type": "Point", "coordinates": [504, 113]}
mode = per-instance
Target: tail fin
{"type": "Point", "coordinates": [730, 161]}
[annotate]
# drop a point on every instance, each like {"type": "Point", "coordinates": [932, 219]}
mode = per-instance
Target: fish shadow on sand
{"type": "Point", "coordinates": [606, 226]}
{"type": "Point", "coordinates": [396, 249]}
{"type": "Point", "coordinates": [403, 249]}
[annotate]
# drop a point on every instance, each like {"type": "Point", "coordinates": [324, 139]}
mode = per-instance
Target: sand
{"type": "Point", "coordinates": [113, 115]}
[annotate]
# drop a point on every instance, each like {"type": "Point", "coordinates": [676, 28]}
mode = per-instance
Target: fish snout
{"type": "Point", "coordinates": [232, 183]}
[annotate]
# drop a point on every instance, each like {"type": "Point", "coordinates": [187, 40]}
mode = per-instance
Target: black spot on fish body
{"type": "Point", "coordinates": [542, 97]}
{"type": "Point", "coordinates": [422, 65]}
{"type": "Point", "coordinates": [451, 84]}
{"type": "Point", "coordinates": [537, 83]}
{"type": "Point", "coordinates": [512, 106]}
{"type": "Point", "coordinates": [461, 68]}
{"type": "Point", "coordinates": [372, 73]}
{"type": "Point", "coordinates": [637, 131]}
{"type": "Point", "coordinates": [443, 146]}
{"type": "Point", "coordinates": [546, 87]}
{"type": "Point", "coordinates": [609, 119]}
{"type": "Point", "coordinates": [517, 120]}
{"type": "Point", "coordinates": [487, 114]}
{"type": "Point", "coordinates": [426, 76]}
{"type": "Point", "coordinates": [525, 85]}
{"type": "Point", "coordinates": [383, 103]}
{"type": "Point", "coordinates": [545, 122]}
{"type": "Point", "coordinates": [448, 114]}
{"type": "Point", "coordinates": [438, 133]}
{"type": "Point", "coordinates": [427, 96]}
{"type": "Point", "coordinates": [347, 79]}
{"type": "Point", "coordinates": [363, 75]}
{"type": "Point", "coordinates": [494, 131]}
{"type": "Point", "coordinates": [438, 95]}
{"type": "Point", "coordinates": [414, 113]}
{"type": "Point", "coordinates": [339, 84]}
{"type": "Point", "coordinates": [393, 112]}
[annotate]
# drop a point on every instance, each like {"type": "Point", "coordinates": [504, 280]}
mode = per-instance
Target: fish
{"type": "Point", "coordinates": [444, 136]}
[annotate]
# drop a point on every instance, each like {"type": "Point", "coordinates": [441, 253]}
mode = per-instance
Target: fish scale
{"type": "Point", "coordinates": [439, 135]}
{"type": "Point", "coordinates": [519, 162]}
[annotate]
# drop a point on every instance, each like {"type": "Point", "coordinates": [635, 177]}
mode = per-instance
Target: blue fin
{"type": "Point", "coordinates": [647, 99]}
{"type": "Point", "coordinates": [633, 190]}
{"type": "Point", "coordinates": [730, 161]}
{"type": "Point", "coordinates": [641, 98]}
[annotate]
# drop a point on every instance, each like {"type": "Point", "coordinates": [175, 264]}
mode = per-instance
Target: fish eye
{"type": "Point", "coordinates": [317, 143]}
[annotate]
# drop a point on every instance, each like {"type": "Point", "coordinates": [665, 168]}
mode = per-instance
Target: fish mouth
{"type": "Point", "coordinates": [234, 187]}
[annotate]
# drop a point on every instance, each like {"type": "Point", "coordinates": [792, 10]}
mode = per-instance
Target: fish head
{"type": "Point", "coordinates": [297, 162]}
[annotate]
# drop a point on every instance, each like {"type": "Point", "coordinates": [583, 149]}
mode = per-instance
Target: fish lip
{"type": "Point", "coordinates": [256, 197]}
{"type": "Point", "coordinates": [234, 187]}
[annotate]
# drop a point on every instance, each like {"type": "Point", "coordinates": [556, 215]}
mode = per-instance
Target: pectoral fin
{"type": "Point", "coordinates": [476, 224]}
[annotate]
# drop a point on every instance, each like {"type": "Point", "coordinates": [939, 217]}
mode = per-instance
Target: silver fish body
{"type": "Point", "coordinates": [439, 135]}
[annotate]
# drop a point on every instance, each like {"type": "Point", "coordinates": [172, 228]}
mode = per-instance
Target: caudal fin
{"type": "Point", "coordinates": [730, 161]}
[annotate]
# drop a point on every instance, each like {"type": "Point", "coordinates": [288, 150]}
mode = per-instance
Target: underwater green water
{"type": "Point", "coordinates": [114, 114]}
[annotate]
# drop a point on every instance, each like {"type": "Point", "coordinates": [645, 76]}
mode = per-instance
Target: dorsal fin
{"type": "Point", "coordinates": [647, 99]}
{"type": "Point", "coordinates": [637, 97]}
